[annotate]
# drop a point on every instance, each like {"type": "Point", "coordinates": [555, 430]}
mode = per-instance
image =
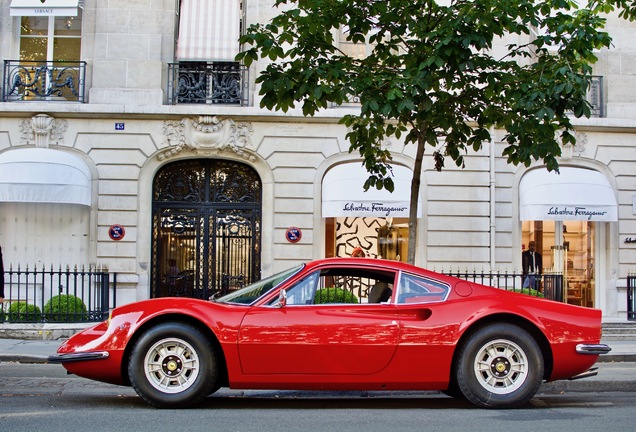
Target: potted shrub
{"type": "Point", "coordinates": [334, 295]}
{"type": "Point", "coordinates": [529, 291]}
{"type": "Point", "coordinates": [65, 308]}
{"type": "Point", "coordinates": [20, 311]}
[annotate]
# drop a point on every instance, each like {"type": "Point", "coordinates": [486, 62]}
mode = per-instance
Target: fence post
{"type": "Point", "coordinates": [631, 298]}
{"type": "Point", "coordinates": [553, 286]}
{"type": "Point", "coordinates": [105, 295]}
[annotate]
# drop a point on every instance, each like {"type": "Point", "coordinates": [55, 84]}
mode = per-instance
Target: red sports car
{"type": "Point", "coordinates": [342, 324]}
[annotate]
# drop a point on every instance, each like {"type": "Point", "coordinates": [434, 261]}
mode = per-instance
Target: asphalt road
{"type": "Point", "coordinates": [41, 397]}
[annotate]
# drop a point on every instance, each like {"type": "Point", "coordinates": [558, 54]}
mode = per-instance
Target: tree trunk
{"type": "Point", "coordinates": [415, 194]}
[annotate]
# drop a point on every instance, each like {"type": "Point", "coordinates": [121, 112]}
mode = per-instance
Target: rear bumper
{"type": "Point", "coordinates": [75, 357]}
{"type": "Point", "coordinates": [594, 349]}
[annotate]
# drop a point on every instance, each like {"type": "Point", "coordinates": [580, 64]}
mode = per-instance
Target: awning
{"type": "Point", "coordinates": [209, 30]}
{"type": "Point", "coordinates": [42, 175]}
{"type": "Point", "coordinates": [44, 7]}
{"type": "Point", "coordinates": [343, 194]}
{"type": "Point", "coordinates": [574, 194]}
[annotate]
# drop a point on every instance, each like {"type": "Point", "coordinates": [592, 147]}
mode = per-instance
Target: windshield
{"type": "Point", "coordinates": [251, 293]}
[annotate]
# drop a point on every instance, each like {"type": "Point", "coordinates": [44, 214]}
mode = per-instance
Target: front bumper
{"type": "Point", "coordinates": [595, 349]}
{"type": "Point", "coordinates": [76, 357]}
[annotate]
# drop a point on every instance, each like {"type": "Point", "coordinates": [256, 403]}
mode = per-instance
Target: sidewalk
{"type": "Point", "coordinates": [617, 370]}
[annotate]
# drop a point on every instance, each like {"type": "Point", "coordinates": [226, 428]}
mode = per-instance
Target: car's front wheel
{"type": "Point", "coordinates": [172, 365]}
{"type": "Point", "coordinates": [500, 366]}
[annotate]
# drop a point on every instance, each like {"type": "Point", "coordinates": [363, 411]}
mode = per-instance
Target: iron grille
{"type": "Point", "coordinates": [206, 228]}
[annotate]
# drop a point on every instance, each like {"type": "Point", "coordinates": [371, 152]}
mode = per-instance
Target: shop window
{"type": "Point", "coordinates": [568, 248]}
{"type": "Point", "coordinates": [366, 236]}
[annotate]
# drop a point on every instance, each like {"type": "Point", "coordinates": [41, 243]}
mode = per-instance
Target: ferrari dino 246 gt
{"type": "Point", "coordinates": [342, 324]}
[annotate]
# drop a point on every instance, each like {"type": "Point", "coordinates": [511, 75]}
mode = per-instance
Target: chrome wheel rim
{"type": "Point", "coordinates": [171, 365]}
{"type": "Point", "coordinates": [501, 366]}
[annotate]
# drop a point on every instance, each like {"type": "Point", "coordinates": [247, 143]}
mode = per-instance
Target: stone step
{"type": "Point", "coordinates": [619, 331]}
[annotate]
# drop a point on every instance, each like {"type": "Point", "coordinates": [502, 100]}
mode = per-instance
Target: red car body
{"type": "Point", "coordinates": [412, 341]}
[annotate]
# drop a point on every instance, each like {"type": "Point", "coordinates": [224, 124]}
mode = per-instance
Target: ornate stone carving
{"type": "Point", "coordinates": [581, 142]}
{"type": "Point", "coordinates": [568, 151]}
{"type": "Point", "coordinates": [42, 130]}
{"type": "Point", "coordinates": [207, 133]}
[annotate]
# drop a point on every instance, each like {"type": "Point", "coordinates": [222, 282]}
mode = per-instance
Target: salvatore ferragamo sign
{"type": "Point", "coordinates": [578, 213]}
{"type": "Point", "coordinates": [337, 208]}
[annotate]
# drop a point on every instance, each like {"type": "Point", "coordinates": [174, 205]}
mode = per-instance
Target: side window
{"type": "Point", "coordinates": [303, 292]}
{"type": "Point", "coordinates": [342, 286]}
{"type": "Point", "coordinates": [415, 289]}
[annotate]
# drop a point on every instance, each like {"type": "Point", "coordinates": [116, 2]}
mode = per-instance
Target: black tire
{"type": "Point", "coordinates": [173, 365]}
{"type": "Point", "coordinates": [499, 366]}
{"type": "Point", "coordinates": [453, 390]}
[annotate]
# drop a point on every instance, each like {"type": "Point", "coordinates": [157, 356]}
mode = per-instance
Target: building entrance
{"type": "Point", "coordinates": [206, 228]}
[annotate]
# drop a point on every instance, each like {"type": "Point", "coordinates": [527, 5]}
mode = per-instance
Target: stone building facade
{"type": "Point", "coordinates": [118, 149]}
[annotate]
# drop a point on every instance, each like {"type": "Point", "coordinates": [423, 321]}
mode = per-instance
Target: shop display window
{"type": "Point", "coordinates": [568, 248]}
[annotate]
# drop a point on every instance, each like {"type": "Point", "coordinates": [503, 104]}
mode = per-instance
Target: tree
{"type": "Point", "coordinates": [431, 74]}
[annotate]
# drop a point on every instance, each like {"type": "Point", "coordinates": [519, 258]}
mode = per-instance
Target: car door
{"type": "Point", "coordinates": [302, 337]}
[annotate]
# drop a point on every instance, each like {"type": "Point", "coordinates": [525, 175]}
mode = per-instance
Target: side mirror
{"type": "Point", "coordinates": [282, 299]}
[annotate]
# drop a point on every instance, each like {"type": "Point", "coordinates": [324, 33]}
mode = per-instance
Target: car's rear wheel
{"type": "Point", "coordinates": [500, 366]}
{"type": "Point", "coordinates": [173, 365]}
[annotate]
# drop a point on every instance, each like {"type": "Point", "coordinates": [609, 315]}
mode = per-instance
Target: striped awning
{"type": "Point", "coordinates": [209, 30]}
{"type": "Point", "coordinates": [44, 7]}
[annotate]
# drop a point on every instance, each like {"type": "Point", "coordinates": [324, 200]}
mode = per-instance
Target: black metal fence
{"type": "Point", "coordinates": [67, 295]}
{"type": "Point", "coordinates": [44, 80]}
{"type": "Point", "coordinates": [549, 285]}
{"type": "Point", "coordinates": [631, 297]}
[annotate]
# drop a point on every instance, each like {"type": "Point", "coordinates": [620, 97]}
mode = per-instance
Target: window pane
{"type": "Point", "coordinates": [67, 49]}
{"type": "Point", "coordinates": [34, 26]}
{"type": "Point", "coordinates": [33, 48]}
{"type": "Point", "coordinates": [69, 26]}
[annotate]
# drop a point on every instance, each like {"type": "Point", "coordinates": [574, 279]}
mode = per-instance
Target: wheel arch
{"type": "Point", "coordinates": [177, 318]}
{"type": "Point", "coordinates": [521, 322]}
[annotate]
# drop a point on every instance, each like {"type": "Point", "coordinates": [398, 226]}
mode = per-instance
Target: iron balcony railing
{"type": "Point", "coordinates": [208, 83]}
{"type": "Point", "coordinates": [594, 97]}
{"type": "Point", "coordinates": [74, 295]}
{"type": "Point", "coordinates": [44, 80]}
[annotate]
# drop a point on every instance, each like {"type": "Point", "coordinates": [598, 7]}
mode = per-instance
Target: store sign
{"type": "Point", "coordinates": [343, 194]}
{"type": "Point", "coordinates": [366, 209]}
{"type": "Point", "coordinates": [567, 213]}
{"type": "Point", "coordinates": [67, 8]}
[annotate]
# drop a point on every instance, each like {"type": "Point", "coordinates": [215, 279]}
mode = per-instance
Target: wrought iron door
{"type": "Point", "coordinates": [206, 228]}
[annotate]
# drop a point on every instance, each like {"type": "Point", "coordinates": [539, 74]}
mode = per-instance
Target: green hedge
{"type": "Point", "coordinates": [23, 312]}
{"type": "Point", "coordinates": [65, 308]}
{"type": "Point", "coordinates": [529, 291]}
{"type": "Point", "coordinates": [334, 295]}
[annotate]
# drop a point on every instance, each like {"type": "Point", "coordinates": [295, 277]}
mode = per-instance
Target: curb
{"type": "Point", "coordinates": [23, 359]}
{"type": "Point", "coordinates": [590, 386]}
{"type": "Point", "coordinates": [617, 358]}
